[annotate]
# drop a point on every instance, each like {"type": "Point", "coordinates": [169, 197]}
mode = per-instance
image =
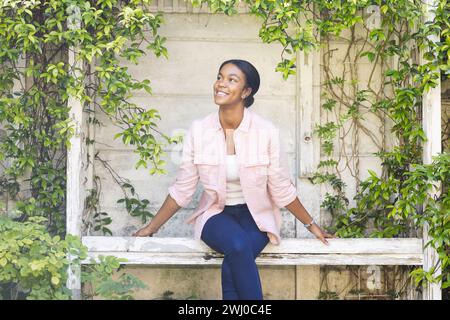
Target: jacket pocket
{"type": "Point", "coordinates": [256, 170]}
{"type": "Point", "coordinates": [207, 166]}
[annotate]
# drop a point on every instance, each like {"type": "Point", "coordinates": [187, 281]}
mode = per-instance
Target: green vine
{"type": "Point", "coordinates": [36, 81]}
{"type": "Point", "coordinates": [34, 95]}
{"type": "Point", "coordinates": [33, 265]}
{"type": "Point", "coordinates": [390, 282]}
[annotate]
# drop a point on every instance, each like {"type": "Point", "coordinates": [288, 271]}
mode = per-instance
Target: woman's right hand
{"type": "Point", "coordinates": [144, 232]}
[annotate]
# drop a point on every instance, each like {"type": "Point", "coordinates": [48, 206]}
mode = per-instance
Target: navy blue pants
{"type": "Point", "coordinates": [234, 233]}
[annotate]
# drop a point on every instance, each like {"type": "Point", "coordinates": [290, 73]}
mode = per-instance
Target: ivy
{"type": "Point", "coordinates": [36, 116]}
{"type": "Point", "coordinates": [34, 97]}
{"type": "Point", "coordinates": [35, 261]}
{"type": "Point", "coordinates": [33, 265]}
{"type": "Point", "coordinates": [99, 277]}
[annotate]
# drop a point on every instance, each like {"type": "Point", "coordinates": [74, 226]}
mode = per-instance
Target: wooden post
{"type": "Point", "coordinates": [160, 5]}
{"type": "Point", "coordinates": [308, 108]}
{"type": "Point", "coordinates": [75, 201]}
{"type": "Point", "coordinates": [307, 282]}
{"type": "Point", "coordinates": [431, 111]}
{"type": "Point", "coordinates": [308, 157]}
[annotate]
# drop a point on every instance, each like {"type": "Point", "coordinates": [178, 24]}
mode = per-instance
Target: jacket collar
{"type": "Point", "coordinates": [244, 125]}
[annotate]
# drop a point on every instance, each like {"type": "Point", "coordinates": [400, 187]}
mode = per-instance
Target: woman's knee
{"type": "Point", "coordinates": [259, 241]}
{"type": "Point", "coordinates": [240, 246]}
{"type": "Point", "coordinates": [211, 227]}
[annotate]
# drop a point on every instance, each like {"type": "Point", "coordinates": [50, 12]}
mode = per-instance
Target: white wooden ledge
{"type": "Point", "coordinates": [187, 251]}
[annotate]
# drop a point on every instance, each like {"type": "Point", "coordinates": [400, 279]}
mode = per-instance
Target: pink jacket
{"type": "Point", "coordinates": [264, 173]}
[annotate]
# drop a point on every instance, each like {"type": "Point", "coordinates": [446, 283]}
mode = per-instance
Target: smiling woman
{"type": "Point", "coordinates": [238, 157]}
{"type": "Point", "coordinates": [236, 78]}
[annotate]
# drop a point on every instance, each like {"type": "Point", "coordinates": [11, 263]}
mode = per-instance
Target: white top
{"type": "Point", "coordinates": [234, 189]}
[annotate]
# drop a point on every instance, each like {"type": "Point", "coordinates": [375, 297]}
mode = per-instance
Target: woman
{"type": "Point", "coordinates": [238, 157]}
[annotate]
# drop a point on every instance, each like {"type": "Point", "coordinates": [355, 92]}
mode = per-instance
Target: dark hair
{"type": "Point", "coordinates": [251, 75]}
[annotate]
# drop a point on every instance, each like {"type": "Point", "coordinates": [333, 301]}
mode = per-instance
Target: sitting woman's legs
{"type": "Point", "coordinates": [234, 233]}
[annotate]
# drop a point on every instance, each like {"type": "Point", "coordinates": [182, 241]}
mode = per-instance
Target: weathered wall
{"type": "Point", "coordinates": [279, 282]}
{"type": "Point", "coordinates": [201, 282]}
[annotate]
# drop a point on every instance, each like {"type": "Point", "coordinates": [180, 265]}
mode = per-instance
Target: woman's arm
{"type": "Point", "coordinates": [282, 188]}
{"type": "Point", "coordinates": [167, 210]}
{"type": "Point", "coordinates": [297, 209]}
{"type": "Point", "coordinates": [181, 190]}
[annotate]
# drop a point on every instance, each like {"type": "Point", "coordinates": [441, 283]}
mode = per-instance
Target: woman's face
{"type": "Point", "coordinates": [229, 86]}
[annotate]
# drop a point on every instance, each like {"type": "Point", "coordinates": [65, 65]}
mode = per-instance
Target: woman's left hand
{"type": "Point", "coordinates": [320, 234]}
